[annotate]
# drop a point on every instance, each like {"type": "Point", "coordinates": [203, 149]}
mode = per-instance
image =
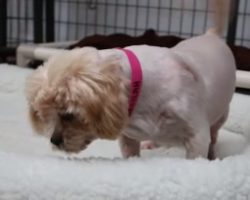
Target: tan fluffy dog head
{"type": "Point", "coordinates": [77, 97]}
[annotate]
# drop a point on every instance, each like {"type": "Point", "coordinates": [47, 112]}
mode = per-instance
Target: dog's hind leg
{"type": "Point", "coordinates": [214, 131]}
{"type": "Point", "coordinates": [198, 144]}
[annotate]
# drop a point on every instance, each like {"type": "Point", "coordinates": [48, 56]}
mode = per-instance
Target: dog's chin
{"type": "Point", "coordinates": [69, 150]}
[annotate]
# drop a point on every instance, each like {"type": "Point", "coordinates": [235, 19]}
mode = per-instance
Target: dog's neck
{"type": "Point", "coordinates": [136, 79]}
{"type": "Point", "coordinates": [121, 57]}
{"type": "Point", "coordinates": [131, 69]}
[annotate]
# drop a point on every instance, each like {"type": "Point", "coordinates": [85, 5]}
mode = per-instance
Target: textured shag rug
{"type": "Point", "coordinates": [29, 169]}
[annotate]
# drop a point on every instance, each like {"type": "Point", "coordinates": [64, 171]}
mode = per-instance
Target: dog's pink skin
{"type": "Point", "coordinates": [148, 145]}
{"type": "Point", "coordinates": [186, 90]}
{"type": "Point", "coordinates": [184, 98]}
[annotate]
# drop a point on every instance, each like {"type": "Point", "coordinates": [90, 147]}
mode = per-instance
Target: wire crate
{"type": "Point", "coordinates": [41, 21]}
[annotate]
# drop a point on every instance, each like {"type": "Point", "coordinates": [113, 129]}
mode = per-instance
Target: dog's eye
{"type": "Point", "coordinates": [67, 116]}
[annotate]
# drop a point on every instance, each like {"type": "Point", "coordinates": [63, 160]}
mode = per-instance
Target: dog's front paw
{"type": "Point", "coordinates": [128, 151]}
{"type": "Point", "coordinates": [129, 147]}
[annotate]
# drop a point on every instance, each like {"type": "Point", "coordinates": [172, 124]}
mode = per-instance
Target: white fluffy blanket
{"type": "Point", "coordinates": [29, 169]}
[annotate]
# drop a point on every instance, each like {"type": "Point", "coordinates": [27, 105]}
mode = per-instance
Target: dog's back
{"type": "Point", "coordinates": [209, 56]}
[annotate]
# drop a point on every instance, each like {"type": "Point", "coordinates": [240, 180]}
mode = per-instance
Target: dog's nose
{"type": "Point", "coordinates": [56, 139]}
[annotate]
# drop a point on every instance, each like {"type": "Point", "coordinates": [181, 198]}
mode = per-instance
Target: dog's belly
{"type": "Point", "coordinates": [159, 129]}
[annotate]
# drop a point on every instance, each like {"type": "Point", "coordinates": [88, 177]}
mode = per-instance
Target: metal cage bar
{"type": "Point", "coordinates": [38, 20]}
{"type": "Point", "coordinates": [233, 19]}
{"type": "Point", "coordinates": [50, 20]}
{"type": "Point", "coordinates": [3, 23]}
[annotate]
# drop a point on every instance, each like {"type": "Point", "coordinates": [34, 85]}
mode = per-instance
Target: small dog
{"type": "Point", "coordinates": [83, 94]}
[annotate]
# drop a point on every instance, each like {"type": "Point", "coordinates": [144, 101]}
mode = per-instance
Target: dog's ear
{"type": "Point", "coordinates": [101, 92]}
{"type": "Point", "coordinates": [114, 115]}
{"type": "Point", "coordinates": [111, 122]}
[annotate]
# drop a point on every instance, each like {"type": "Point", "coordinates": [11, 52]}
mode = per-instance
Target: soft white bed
{"type": "Point", "coordinates": [29, 169]}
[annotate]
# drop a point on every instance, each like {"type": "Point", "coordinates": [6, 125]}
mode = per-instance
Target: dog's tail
{"type": "Point", "coordinates": [220, 16]}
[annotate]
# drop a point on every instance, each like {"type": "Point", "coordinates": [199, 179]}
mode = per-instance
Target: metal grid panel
{"type": "Point", "coordinates": [19, 22]}
{"type": "Point", "coordinates": [243, 28]}
{"type": "Point", "coordinates": [78, 18]}
{"type": "Point", "coordinates": [75, 19]}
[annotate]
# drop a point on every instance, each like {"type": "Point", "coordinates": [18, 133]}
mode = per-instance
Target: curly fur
{"type": "Point", "coordinates": [73, 83]}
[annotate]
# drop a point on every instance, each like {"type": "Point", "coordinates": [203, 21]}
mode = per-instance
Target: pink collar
{"type": "Point", "coordinates": [136, 79]}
